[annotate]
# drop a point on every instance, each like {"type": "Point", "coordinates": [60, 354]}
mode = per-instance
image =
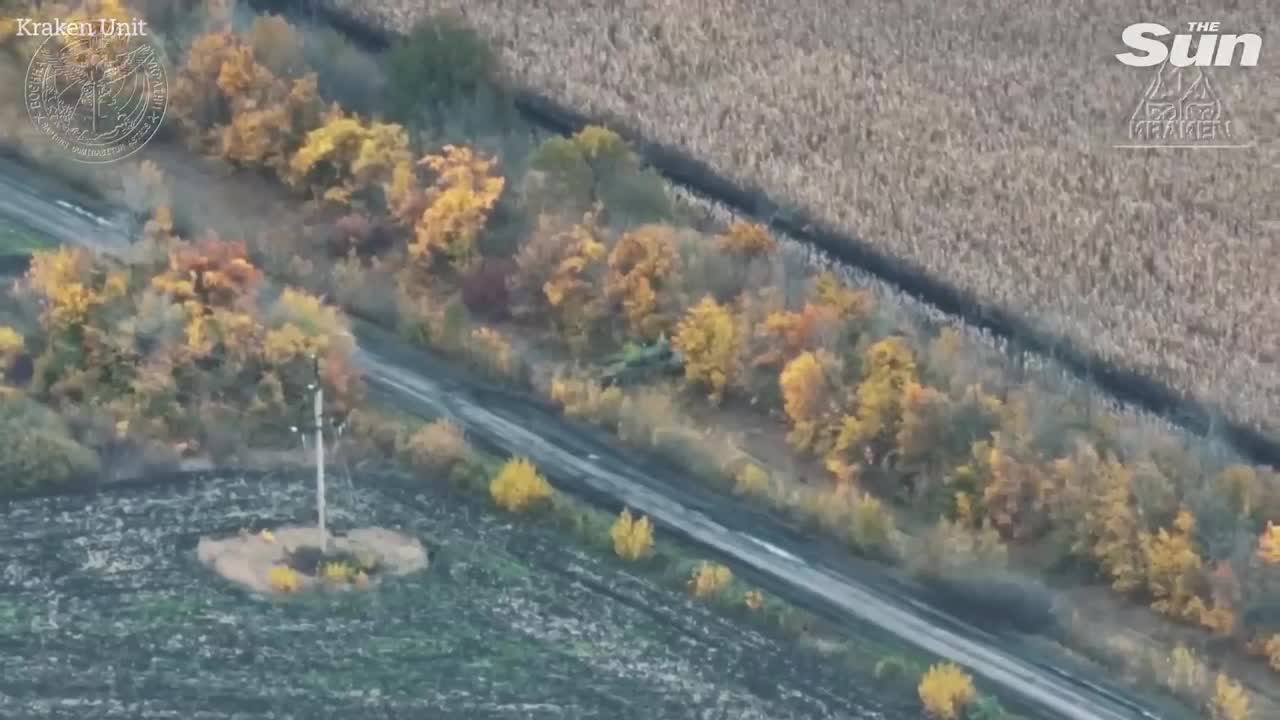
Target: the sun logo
{"type": "Point", "coordinates": [1211, 49]}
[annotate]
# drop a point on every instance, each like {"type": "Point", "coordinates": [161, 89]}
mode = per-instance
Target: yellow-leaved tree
{"type": "Point", "coordinates": [60, 280]}
{"type": "Point", "coordinates": [747, 239]}
{"type": "Point", "coordinates": [632, 538]}
{"type": "Point", "coordinates": [11, 345]}
{"type": "Point", "coordinates": [1014, 487]}
{"type": "Point", "coordinates": [1173, 568]}
{"type": "Point", "coordinates": [945, 690]}
{"type": "Point", "coordinates": [1230, 702]}
{"type": "Point", "coordinates": [709, 578]}
{"type": "Point", "coordinates": [1111, 532]}
{"type": "Point", "coordinates": [849, 303]}
{"type": "Point", "coordinates": [302, 328]}
{"type": "Point", "coordinates": [707, 340]}
{"type": "Point", "coordinates": [807, 385]}
{"type": "Point", "coordinates": [459, 202]}
{"type": "Point", "coordinates": [642, 263]}
{"type": "Point", "coordinates": [356, 164]}
{"type": "Point", "coordinates": [519, 486]}
{"type": "Point", "coordinates": [1269, 544]}
{"type": "Point", "coordinates": [889, 367]}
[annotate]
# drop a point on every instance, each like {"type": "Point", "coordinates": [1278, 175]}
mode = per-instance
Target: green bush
{"type": "Point", "coordinates": [441, 61]}
{"type": "Point", "coordinates": [595, 166]}
{"type": "Point", "coordinates": [36, 449]}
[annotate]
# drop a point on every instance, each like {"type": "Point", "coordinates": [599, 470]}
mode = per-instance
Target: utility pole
{"type": "Point", "coordinates": [319, 420]}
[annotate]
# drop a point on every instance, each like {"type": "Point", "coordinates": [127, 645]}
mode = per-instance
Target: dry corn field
{"type": "Point", "coordinates": [973, 139]}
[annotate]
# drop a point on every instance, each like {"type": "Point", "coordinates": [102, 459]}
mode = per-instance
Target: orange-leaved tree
{"type": "Point", "coordinates": [787, 333]}
{"type": "Point", "coordinates": [559, 273]}
{"type": "Point", "coordinates": [641, 265]}
{"type": "Point", "coordinates": [808, 384]}
{"type": "Point", "coordinates": [228, 104]}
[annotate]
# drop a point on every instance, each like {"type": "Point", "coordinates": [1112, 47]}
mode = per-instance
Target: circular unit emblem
{"type": "Point", "coordinates": [100, 98]}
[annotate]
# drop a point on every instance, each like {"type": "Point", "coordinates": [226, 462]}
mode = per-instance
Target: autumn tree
{"type": "Point", "coordinates": [1111, 533]}
{"type": "Point", "coordinates": [1013, 486]}
{"type": "Point", "coordinates": [357, 165]}
{"type": "Point", "coordinates": [641, 265]}
{"type": "Point", "coordinates": [1269, 545]}
{"type": "Point", "coordinates": [559, 273]}
{"type": "Point", "coordinates": [214, 284]}
{"type": "Point", "coordinates": [1230, 701]}
{"type": "Point", "coordinates": [229, 104]}
{"type": "Point", "coordinates": [180, 348]}
{"type": "Point", "coordinates": [784, 334]}
{"type": "Point", "coordinates": [11, 346]}
{"type": "Point", "coordinates": [709, 579]}
{"type": "Point", "coordinates": [145, 188]}
{"type": "Point", "coordinates": [37, 450]}
{"type": "Point", "coordinates": [848, 303]}
{"type": "Point", "coordinates": [746, 239]}
{"type": "Point", "coordinates": [632, 537]}
{"type": "Point", "coordinates": [952, 548]}
{"type": "Point", "coordinates": [519, 486]}
{"type": "Point", "coordinates": [926, 414]}
{"type": "Point", "coordinates": [302, 329]}
{"type": "Point", "coordinates": [60, 279]}
{"type": "Point", "coordinates": [945, 691]}
{"type": "Point", "coordinates": [1241, 485]}
{"type": "Point", "coordinates": [437, 446]}
{"type": "Point", "coordinates": [1173, 569]}
{"type": "Point", "coordinates": [462, 196]}
{"type": "Point", "coordinates": [807, 384]}
{"type": "Point", "coordinates": [888, 368]}
{"type": "Point", "coordinates": [708, 342]}
{"type": "Point", "coordinates": [872, 526]}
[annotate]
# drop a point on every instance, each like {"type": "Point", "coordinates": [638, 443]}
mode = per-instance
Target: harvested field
{"type": "Point", "coordinates": [104, 598]}
{"type": "Point", "coordinates": [975, 142]}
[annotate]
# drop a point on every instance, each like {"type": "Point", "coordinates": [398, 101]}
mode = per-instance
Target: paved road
{"type": "Point", "coordinates": [584, 460]}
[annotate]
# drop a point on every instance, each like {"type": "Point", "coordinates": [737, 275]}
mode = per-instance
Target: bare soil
{"type": "Point", "coordinates": [248, 558]}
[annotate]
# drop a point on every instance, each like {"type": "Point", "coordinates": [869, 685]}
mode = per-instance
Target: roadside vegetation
{"type": "Point", "coordinates": [918, 444]}
{"type": "Point", "coordinates": [180, 350]}
{"type": "Point", "coordinates": [632, 539]}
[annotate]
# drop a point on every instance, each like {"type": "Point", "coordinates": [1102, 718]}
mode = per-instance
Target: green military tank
{"type": "Point", "coordinates": [641, 363]}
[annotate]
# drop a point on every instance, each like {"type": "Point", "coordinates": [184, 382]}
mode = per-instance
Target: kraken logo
{"type": "Point", "coordinates": [99, 97]}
